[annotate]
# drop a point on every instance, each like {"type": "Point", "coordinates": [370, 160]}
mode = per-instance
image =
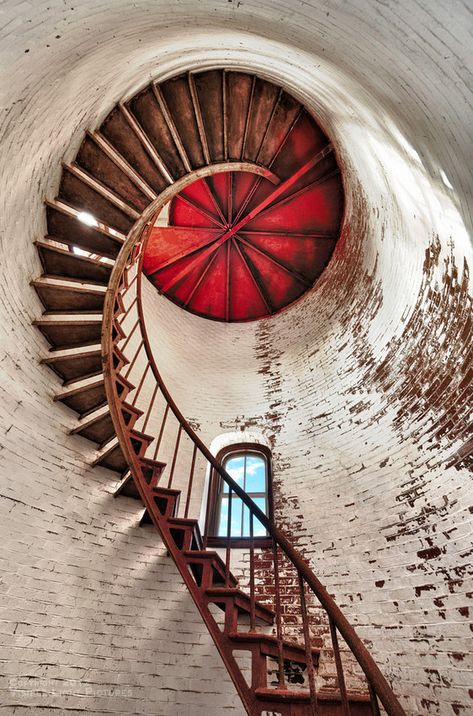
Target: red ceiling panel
{"type": "Point", "coordinates": [239, 246]}
{"type": "Point", "coordinates": [217, 260]}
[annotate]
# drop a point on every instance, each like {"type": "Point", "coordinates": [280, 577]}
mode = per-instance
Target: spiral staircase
{"type": "Point", "coordinates": [151, 152]}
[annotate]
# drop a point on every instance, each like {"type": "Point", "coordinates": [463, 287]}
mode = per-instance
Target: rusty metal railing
{"type": "Point", "coordinates": [152, 430]}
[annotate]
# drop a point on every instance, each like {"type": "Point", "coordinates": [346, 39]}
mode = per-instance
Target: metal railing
{"type": "Point", "coordinates": [150, 426]}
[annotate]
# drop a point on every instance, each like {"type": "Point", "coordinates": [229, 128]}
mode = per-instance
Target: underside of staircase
{"type": "Point", "coordinates": [148, 150]}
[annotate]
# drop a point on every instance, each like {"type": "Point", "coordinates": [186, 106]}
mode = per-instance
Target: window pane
{"type": "Point", "coordinates": [236, 517]}
{"type": "Point", "coordinates": [250, 471]}
{"type": "Point", "coordinates": [223, 521]}
{"type": "Point", "coordinates": [235, 466]}
{"type": "Point", "coordinates": [259, 529]}
{"type": "Point", "coordinates": [255, 474]}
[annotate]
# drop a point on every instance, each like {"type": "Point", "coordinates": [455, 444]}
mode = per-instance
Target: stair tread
{"type": "Point", "coordinates": [235, 591]}
{"type": "Point", "coordinates": [131, 408]}
{"type": "Point", "coordinates": [91, 421]}
{"type": "Point", "coordinates": [269, 694]}
{"type": "Point", "coordinates": [269, 639]}
{"type": "Point", "coordinates": [165, 490]}
{"type": "Point", "coordinates": [71, 264]}
{"type": "Point", "coordinates": [209, 554]}
{"type": "Point", "coordinates": [72, 356]}
{"type": "Point", "coordinates": [142, 436]}
{"type": "Point", "coordinates": [63, 333]}
{"type": "Point", "coordinates": [156, 463]}
{"type": "Point", "coordinates": [68, 284]}
{"type": "Point", "coordinates": [183, 521]}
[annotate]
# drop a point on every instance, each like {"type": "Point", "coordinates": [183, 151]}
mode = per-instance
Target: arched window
{"type": "Point", "coordinates": [250, 466]}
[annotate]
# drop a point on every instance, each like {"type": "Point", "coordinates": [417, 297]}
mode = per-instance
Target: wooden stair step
{"type": "Point", "coordinates": [152, 471]}
{"type": "Point", "coordinates": [219, 595]}
{"type": "Point", "coordinates": [119, 358]}
{"type": "Point", "coordinates": [268, 644]}
{"type": "Point", "coordinates": [185, 532]}
{"type": "Point", "coordinates": [123, 386]}
{"type": "Point", "coordinates": [116, 130]}
{"type": "Point", "coordinates": [99, 429]}
{"type": "Point", "coordinates": [212, 558]}
{"type": "Point", "coordinates": [131, 413]}
{"type": "Point", "coordinates": [209, 90]}
{"type": "Point", "coordinates": [127, 488]}
{"type": "Point", "coordinates": [140, 435]}
{"type": "Point", "coordinates": [64, 262]}
{"type": "Point", "coordinates": [98, 163]}
{"type": "Point", "coordinates": [81, 195]}
{"type": "Point", "coordinates": [64, 226]}
{"type": "Point", "coordinates": [68, 295]}
{"type": "Point", "coordinates": [84, 398]}
{"type": "Point", "coordinates": [113, 459]}
{"type": "Point", "coordinates": [165, 499]}
{"type": "Point", "coordinates": [76, 365]}
{"type": "Point", "coordinates": [179, 101]}
{"type": "Point", "coordinates": [147, 112]}
{"type": "Point", "coordinates": [117, 332]}
{"type": "Point", "coordinates": [329, 702]}
{"type": "Point", "coordinates": [65, 333]}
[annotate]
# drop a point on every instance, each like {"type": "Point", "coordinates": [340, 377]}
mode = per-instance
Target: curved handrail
{"type": "Point", "coordinates": [131, 255]}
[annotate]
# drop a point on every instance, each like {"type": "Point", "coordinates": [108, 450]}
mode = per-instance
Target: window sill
{"type": "Point", "coordinates": [240, 542]}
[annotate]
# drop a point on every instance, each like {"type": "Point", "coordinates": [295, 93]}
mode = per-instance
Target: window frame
{"type": "Point", "coordinates": [215, 492]}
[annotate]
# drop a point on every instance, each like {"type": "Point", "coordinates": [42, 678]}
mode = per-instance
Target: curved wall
{"type": "Point", "coordinates": [361, 388]}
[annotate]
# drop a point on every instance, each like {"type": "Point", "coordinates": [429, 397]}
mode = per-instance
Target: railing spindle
{"type": "Point", "coordinates": [161, 431]}
{"type": "Point", "coordinates": [150, 407]}
{"type": "Point", "coordinates": [339, 665]}
{"type": "Point", "coordinates": [132, 364]}
{"type": "Point", "coordinates": [174, 457]}
{"type": "Point", "coordinates": [229, 537]}
{"type": "Point", "coordinates": [129, 284]}
{"type": "Point", "coordinates": [191, 480]}
{"type": "Point", "coordinates": [127, 311]}
{"type": "Point", "coordinates": [208, 507]}
{"type": "Point", "coordinates": [373, 701]}
{"type": "Point", "coordinates": [252, 575]}
{"type": "Point", "coordinates": [308, 646]}
{"type": "Point", "coordinates": [277, 603]}
{"type": "Point", "coordinates": [140, 384]}
{"type": "Point", "coordinates": [130, 335]}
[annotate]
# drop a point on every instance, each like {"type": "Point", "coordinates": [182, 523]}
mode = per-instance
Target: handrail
{"type": "Point", "coordinates": [131, 255]}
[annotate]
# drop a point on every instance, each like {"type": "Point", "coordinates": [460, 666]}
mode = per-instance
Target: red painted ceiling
{"type": "Point", "coordinates": [240, 246]}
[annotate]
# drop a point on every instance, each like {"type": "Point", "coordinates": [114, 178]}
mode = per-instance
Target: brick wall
{"type": "Point", "coordinates": [361, 389]}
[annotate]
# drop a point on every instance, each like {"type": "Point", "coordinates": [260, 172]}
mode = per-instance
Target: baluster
{"type": "Point", "coordinates": [308, 647]}
{"type": "Point", "coordinates": [209, 505]}
{"type": "Point", "coordinates": [121, 318]}
{"type": "Point", "coordinates": [161, 431]}
{"type": "Point", "coordinates": [140, 384]}
{"type": "Point", "coordinates": [229, 536]}
{"type": "Point", "coordinates": [174, 457]}
{"type": "Point", "coordinates": [373, 701]}
{"type": "Point", "coordinates": [338, 664]}
{"type": "Point", "coordinates": [129, 284]}
{"type": "Point", "coordinates": [137, 352]}
{"type": "Point", "coordinates": [191, 480]}
{"type": "Point", "coordinates": [150, 407]}
{"type": "Point", "coordinates": [277, 602]}
{"type": "Point", "coordinates": [252, 576]}
{"type": "Point", "coordinates": [130, 335]}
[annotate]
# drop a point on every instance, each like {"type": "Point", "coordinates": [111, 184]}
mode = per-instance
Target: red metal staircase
{"type": "Point", "coordinates": [145, 153]}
